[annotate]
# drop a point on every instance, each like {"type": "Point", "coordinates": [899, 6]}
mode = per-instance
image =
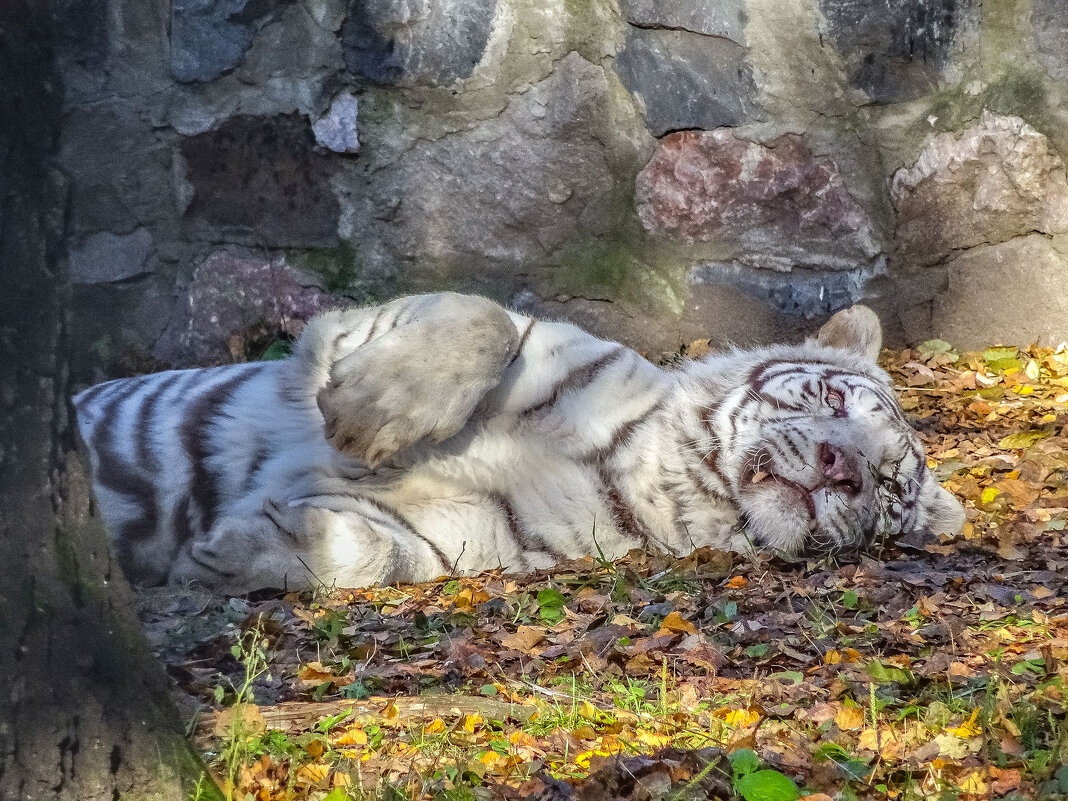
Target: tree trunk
{"type": "Point", "coordinates": [84, 709]}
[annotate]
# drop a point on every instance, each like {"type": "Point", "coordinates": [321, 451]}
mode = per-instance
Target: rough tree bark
{"type": "Point", "coordinates": [84, 709]}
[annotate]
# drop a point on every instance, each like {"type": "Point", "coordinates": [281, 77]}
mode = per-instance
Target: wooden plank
{"type": "Point", "coordinates": [295, 716]}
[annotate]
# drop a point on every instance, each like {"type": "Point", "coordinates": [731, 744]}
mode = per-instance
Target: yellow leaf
{"type": "Point", "coordinates": [989, 494]}
{"type": "Point", "coordinates": [314, 671]}
{"type": "Point", "coordinates": [675, 623]}
{"type": "Point", "coordinates": [967, 729]}
{"type": "Point", "coordinates": [471, 722]}
{"type": "Point", "coordinates": [313, 773]}
{"type": "Point", "coordinates": [436, 726]}
{"type": "Point", "coordinates": [1023, 439]}
{"type": "Point", "coordinates": [834, 656]}
{"type": "Point", "coordinates": [849, 717]}
{"type": "Point", "coordinates": [353, 735]}
{"type": "Point", "coordinates": [869, 740]}
{"type": "Point", "coordinates": [490, 758]}
{"type": "Point", "coordinates": [738, 717]}
{"type": "Point", "coordinates": [653, 739]}
{"type": "Point", "coordinates": [974, 784]}
{"type": "Point", "coordinates": [520, 737]}
{"type": "Point", "coordinates": [587, 710]}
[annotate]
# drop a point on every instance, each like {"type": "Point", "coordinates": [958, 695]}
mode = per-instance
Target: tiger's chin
{"type": "Point", "coordinates": [783, 517]}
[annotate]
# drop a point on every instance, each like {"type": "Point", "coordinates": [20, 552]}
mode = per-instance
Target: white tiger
{"type": "Point", "coordinates": [443, 433]}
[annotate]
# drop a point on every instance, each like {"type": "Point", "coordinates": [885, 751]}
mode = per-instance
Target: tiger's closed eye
{"type": "Point", "coordinates": [835, 398]}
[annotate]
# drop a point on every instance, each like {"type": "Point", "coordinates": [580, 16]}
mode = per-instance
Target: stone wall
{"type": "Point", "coordinates": [659, 171]}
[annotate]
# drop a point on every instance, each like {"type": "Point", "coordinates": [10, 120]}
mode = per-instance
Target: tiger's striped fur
{"type": "Point", "coordinates": [443, 432]}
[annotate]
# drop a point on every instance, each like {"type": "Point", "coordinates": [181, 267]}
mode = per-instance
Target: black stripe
{"type": "Point", "coordinates": [374, 325]}
{"type": "Point", "coordinates": [625, 518]}
{"type": "Point", "coordinates": [183, 525]}
{"type": "Point", "coordinates": [711, 457]}
{"type": "Point", "coordinates": [699, 482]}
{"type": "Point", "coordinates": [259, 457]}
{"type": "Point", "coordinates": [793, 447]}
{"type": "Point", "coordinates": [521, 534]}
{"type": "Point", "coordinates": [209, 568]}
{"type": "Point", "coordinates": [759, 375]}
{"type": "Point", "coordinates": [522, 342]}
{"type": "Point", "coordinates": [195, 436]}
{"type": "Point", "coordinates": [621, 434]}
{"type": "Point", "coordinates": [147, 458]}
{"type": "Point", "coordinates": [624, 431]}
{"type": "Point", "coordinates": [576, 379]}
{"type": "Point", "coordinates": [118, 476]}
{"type": "Point", "coordinates": [401, 520]}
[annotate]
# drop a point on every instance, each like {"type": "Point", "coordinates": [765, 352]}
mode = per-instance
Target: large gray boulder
{"type": "Point", "coordinates": [412, 42]}
{"type": "Point", "coordinates": [687, 80]}
{"type": "Point", "coordinates": [234, 302]}
{"type": "Point", "coordinates": [996, 180]}
{"type": "Point", "coordinates": [898, 50]}
{"type": "Point", "coordinates": [259, 181]}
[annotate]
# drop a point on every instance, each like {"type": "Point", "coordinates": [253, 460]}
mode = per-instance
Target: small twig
{"type": "Point", "coordinates": [463, 547]}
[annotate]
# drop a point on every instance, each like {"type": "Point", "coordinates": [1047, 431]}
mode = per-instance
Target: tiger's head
{"type": "Point", "coordinates": [813, 448]}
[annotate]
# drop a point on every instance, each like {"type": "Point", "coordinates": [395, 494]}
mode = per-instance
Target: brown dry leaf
{"type": "Point", "coordinates": [675, 623]}
{"type": "Point", "coordinates": [642, 665]}
{"type": "Point", "coordinates": [524, 639]}
{"type": "Point", "coordinates": [704, 656]}
{"type": "Point", "coordinates": [698, 348]}
{"type": "Point", "coordinates": [1006, 550]}
{"type": "Point", "coordinates": [1004, 780]}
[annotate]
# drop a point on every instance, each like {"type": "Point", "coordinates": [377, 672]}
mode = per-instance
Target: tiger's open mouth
{"type": "Point", "coordinates": [752, 477]}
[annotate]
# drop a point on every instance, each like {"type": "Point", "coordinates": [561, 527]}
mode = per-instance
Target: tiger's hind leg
{"type": "Point", "coordinates": [411, 369]}
{"type": "Point", "coordinates": [359, 542]}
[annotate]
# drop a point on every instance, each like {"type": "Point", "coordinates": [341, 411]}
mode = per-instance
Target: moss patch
{"type": "Point", "coordinates": [339, 266]}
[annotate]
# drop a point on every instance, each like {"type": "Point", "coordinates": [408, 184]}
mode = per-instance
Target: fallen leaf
{"type": "Point", "coordinates": [849, 717]}
{"type": "Point", "coordinates": [524, 639]}
{"type": "Point", "coordinates": [674, 622]}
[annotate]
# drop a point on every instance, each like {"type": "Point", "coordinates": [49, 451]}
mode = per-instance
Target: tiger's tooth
{"type": "Point", "coordinates": [758, 476]}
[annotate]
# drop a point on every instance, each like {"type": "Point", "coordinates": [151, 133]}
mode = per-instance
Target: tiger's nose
{"type": "Point", "coordinates": [839, 468]}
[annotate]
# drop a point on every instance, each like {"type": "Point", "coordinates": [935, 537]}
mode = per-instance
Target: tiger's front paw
{"type": "Point", "coordinates": [383, 398]}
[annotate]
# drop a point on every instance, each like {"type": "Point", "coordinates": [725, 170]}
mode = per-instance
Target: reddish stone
{"type": "Point", "coordinates": [777, 197]}
{"type": "Point", "coordinates": [234, 302]}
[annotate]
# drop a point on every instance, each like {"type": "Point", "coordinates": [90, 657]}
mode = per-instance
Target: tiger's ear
{"type": "Point", "coordinates": [856, 328]}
